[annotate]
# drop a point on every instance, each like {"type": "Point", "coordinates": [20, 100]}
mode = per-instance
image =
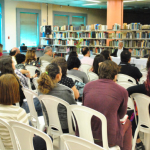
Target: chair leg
{"type": "Point", "coordinates": [146, 141]}
{"type": "Point", "coordinates": [135, 138]}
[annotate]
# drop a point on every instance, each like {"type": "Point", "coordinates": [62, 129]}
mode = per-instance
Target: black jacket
{"type": "Point", "coordinates": [116, 50]}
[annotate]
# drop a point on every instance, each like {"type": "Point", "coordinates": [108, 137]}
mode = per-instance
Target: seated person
{"type": "Point", "coordinates": [9, 95]}
{"type": "Point", "coordinates": [47, 55]}
{"type": "Point", "coordinates": [7, 66]}
{"type": "Point", "coordinates": [120, 49]}
{"type": "Point", "coordinates": [110, 99]}
{"type": "Point", "coordinates": [31, 58]}
{"type": "Point", "coordinates": [72, 53]}
{"type": "Point", "coordinates": [73, 64]}
{"type": "Point", "coordinates": [86, 59]}
{"type": "Point", "coordinates": [97, 60]}
{"type": "Point", "coordinates": [60, 61]}
{"type": "Point", "coordinates": [127, 69]}
{"type": "Point", "coordinates": [106, 54]}
{"type": "Point", "coordinates": [48, 84]}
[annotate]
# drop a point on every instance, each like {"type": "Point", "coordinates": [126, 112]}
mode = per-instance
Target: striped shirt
{"type": "Point", "coordinates": [8, 113]}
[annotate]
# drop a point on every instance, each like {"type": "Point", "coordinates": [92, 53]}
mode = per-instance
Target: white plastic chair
{"type": "Point", "coordinates": [85, 68]}
{"type": "Point", "coordinates": [11, 133]}
{"type": "Point", "coordinates": [142, 102]}
{"type": "Point", "coordinates": [123, 77]}
{"type": "Point", "coordinates": [51, 104]}
{"type": "Point", "coordinates": [71, 142]}
{"type": "Point", "coordinates": [25, 134]}
{"type": "Point", "coordinates": [126, 84]}
{"type": "Point", "coordinates": [32, 69]}
{"type": "Point", "coordinates": [44, 65]}
{"type": "Point", "coordinates": [37, 122]}
{"type": "Point", "coordinates": [83, 117]}
{"type": "Point", "coordinates": [35, 83]}
{"type": "Point", "coordinates": [74, 78]}
{"type": "Point", "coordinates": [144, 73]}
{"type": "Point", "coordinates": [130, 104]}
{"type": "Point", "coordinates": [92, 76]}
{"type": "Point", "coordinates": [142, 80]}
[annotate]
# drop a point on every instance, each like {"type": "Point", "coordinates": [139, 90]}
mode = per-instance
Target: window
{"type": "Point", "coordinates": [67, 18]}
{"type": "Point", "coordinates": [28, 27]}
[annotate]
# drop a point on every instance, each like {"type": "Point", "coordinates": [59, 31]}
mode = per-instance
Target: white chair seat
{"type": "Point", "coordinates": [123, 77]}
{"type": "Point", "coordinates": [92, 76]}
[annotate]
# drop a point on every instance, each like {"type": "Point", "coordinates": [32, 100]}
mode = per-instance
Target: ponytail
{"type": "Point", "coordinates": [45, 83]}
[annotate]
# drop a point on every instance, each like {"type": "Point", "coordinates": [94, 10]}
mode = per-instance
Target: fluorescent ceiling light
{"type": "Point", "coordinates": [129, 1]}
{"type": "Point", "coordinates": [90, 4]}
{"type": "Point", "coordinates": [93, 1]}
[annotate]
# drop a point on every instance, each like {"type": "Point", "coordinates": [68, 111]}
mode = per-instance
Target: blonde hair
{"type": "Point", "coordinates": [47, 82]}
{"type": "Point", "coordinates": [30, 55]}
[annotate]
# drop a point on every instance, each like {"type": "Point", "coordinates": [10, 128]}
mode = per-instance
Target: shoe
{"type": "Point", "coordinates": [140, 146]}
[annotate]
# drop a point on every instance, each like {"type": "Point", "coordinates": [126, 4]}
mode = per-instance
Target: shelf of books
{"type": "Point", "coordinates": [134, 36]}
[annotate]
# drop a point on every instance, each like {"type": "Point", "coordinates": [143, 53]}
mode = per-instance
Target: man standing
{"type": "Point", "coordinates": [86, 59]}
{"type": "Point", "coordinates": [120, 49]}
{"type": "Point", "coordinates": [47, 55]}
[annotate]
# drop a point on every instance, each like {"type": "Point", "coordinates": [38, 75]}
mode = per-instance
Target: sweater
{"type": "Point", "coordinates": [110, 99]}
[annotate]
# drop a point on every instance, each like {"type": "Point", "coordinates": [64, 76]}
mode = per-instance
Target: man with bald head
{"type": "Point", "coordinates": [13, 52]}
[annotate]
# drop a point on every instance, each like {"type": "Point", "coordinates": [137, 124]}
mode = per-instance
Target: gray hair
{"type": "Point", "coordinates": [121, 42]}
{"type": "Point", "coordinates": [47, 48]}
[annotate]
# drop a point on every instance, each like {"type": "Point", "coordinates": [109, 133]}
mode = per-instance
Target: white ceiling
{"type": "Point", "coordinates": [99, 4]}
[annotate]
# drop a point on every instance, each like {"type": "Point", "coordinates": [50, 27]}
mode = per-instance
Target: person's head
{"type": "Point", "coordinates": [6, 65]}
{"type": "Point", "coordinates": [86, 51]}
{"type": "Point", "coordinates": [14, 51]}
{"type": "Point", "coordinates": [73, 62]}
{"type": "Point", "coordinates": [120, 44]}
{"type": "Point", "coordinates": [9, 90]}
{"type": "Point", "coordinates": [98, 58]}
{"type": "Point", "coordinates": [48, 50]}
{"type": "Point", "coordinates": [130, 50]}
{"type": "Point", "coordinates": [73, 53]}
{"type": "Point", "coordinates": [1, 48]}
{"type": "Point", "coordinates": [49, 78]}
{"type": "Point", "coordinates": [125, 56]}
{"type": "Point", "coordinates": [60, 61]}
{"type": "Point", "coordinates": [20, 58]}
{"type": "Point", "coordinates": [106, 54]}
{"type": "Point", "coordinates": [108, 70]}
{"type": "Point", "coordinates": [30, 55]}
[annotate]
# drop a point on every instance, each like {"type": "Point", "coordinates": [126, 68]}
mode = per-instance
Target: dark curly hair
{"type": "Point", "coordinates": [108, 69]}
{"type": "Point", "coordinates": [73, 62]}
{"type": "Point", "coordinates": [106, 54]}
{"type": "Point", "coordinates": [85, 50]}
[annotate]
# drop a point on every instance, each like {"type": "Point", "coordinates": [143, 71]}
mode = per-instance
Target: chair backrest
{"type": "Point", "coordinates": [11, 133]}
{"type": "Point", "coordinates": [25, 134]}
{"type": "Point", "coordinates": [44, 64]}
{"type": "Point", "coordinates": [51, 104]}
{"type": "Point", "coordinates": [83, 117]}
{"type": "Point", "coordinates": [144, 74]}
{"type": "Point", "coordinates": [35, 82]}
{"type": "Point", "coordinates": [76, 143]}
{"type": "Point", "coordinates": [130, 103]}
{"type": "Point", "coordinates": [85, 68]}
{"type": "Point", "coordinates": [142, 80]}
{"type": "Point", "coordinates": [29, 94]}
{"type": "Point", "coordinates": [123, 77]}
{"type": "Point", "coordinates": [32, 69]}
{"type": "Point", "coordinates": [74, 78]}
{"type": "Point", "coordinates": [92, 76]}
{"type": "Point", "coordinates": [126, 84]}
{"type": "Point", "coordinates": [142, 102]}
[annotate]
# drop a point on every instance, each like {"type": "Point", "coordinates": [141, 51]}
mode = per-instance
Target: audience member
{"type": "Point", "coordinates": [86, 59]}
{"type": "Point", "coordinates": [73, 64]}
{"type": "Point", "coordinates": [48, 84]}
{"type": "Point", "coordinates": [60, 61]}
{"type": "Point", "coordinates": [97, 60]}
{"type": "Point", "coordinates": [72, 53]}
{"type": "Point", "coordinates": [9, 95]}
{"type": "Point", "coordinates": [1, 50]}
{"type": "Point", "coordinates": [7, 66]}
{"type": "Point", "coordinates": [47, 55]}
{"type": "Point", "coordinates": [106, 54]}
{"type": "Point", "coordinates": [127, 69]}
{"type": "Point", "coordinates": [110, 99]}
{"type": "Point", "coordinates": [31, 58]}
{"type": "Point", "coordinates": [13, 52]}
{"type": "Point", "coordinates": [120, 49]}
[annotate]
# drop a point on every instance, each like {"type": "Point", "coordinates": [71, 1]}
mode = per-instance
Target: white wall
{"type": "Point", "coordinates": [93, 16]}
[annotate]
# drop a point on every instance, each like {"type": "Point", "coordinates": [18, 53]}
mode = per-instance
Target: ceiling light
{"type": "Point", "coordinates": [129, 1]}
{"type": "Point", "coordinates": [93, 1]}
{"type": "Point", "coordinates": [89, 4]}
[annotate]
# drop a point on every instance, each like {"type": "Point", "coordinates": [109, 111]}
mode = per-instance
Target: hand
{"type": "Point", "coordinates": [28, 75]}
{"type": "Point", "coordinates": [35, 75]}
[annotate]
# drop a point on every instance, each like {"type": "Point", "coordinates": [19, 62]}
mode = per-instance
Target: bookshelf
{"type": "Point", "coordinates": [96, 37]}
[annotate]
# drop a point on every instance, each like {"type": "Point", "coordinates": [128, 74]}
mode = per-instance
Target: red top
{"type": "Point", "coordinates": [109, 98]}
{"type": "Point", "coordinates": [1, 54]}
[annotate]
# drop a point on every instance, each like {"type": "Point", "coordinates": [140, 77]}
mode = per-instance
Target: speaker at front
{"type": "Point", "coordinates": [47, 30]}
